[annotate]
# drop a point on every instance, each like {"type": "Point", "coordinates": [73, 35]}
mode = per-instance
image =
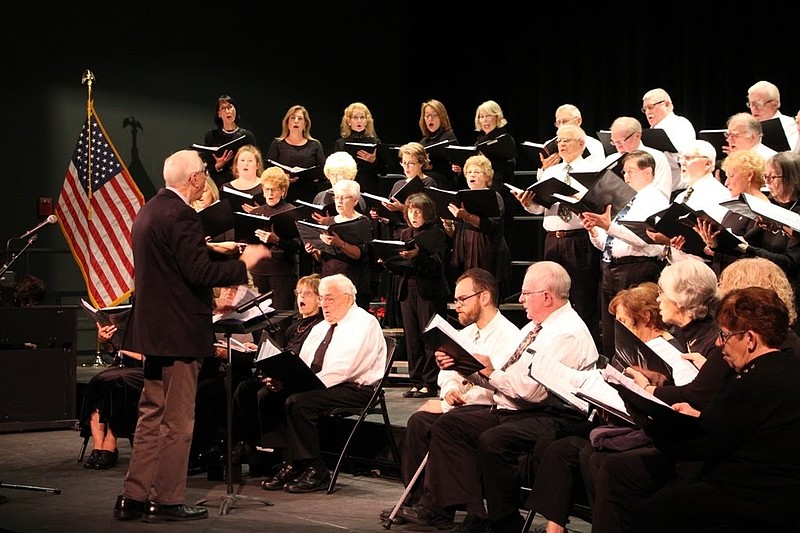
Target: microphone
{"type": "Point", "coordinates": [52, 219]}
{"type": "Point", "coordinates": [258, 300]}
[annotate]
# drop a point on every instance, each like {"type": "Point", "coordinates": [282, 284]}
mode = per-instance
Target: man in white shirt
{"type": "Point", "coordinates": [627, 260]}
{"type": "Point", "coordinates": [485, 330]}
{"type": "Point", "coordinates": [474, 451]}
{"type": "Point", "coordinates": [353, 362]}
{"type": "Point", "coordinates": [626, 136]}
{"type": "Point", "coordinates": [764, 102]}
{"type": "Point", "coordinates": [659, 110]}
{"type": "Point", "coordinates": [704, 193]}
{"type": "Point", "coordinates": [566, 241]}
{"type": "Point", "coordinates": [744, 133]}
{"type": "Point", "coordinates": [568, 114]}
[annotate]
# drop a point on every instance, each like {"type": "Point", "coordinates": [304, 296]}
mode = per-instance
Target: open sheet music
{"type": "Point", "coordinates": [244, 294]}
{"type": "Point", "coordinates": [108, 316]}
{"type": "Point", "coordinates": [440, 335]}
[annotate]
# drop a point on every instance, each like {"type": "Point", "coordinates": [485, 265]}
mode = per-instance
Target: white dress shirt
{"type": "Point", "coordinates": [496, 339]}
{"type": "Point", "coordinates": [564, 339]}
{"type": "Point", "coordinates": [646, 202]}
{"type": "Point", "coordinates": [356, 353]}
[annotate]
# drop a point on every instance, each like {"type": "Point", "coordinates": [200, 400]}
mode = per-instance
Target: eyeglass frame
{"type": "Point", "coordinates": [691, 158]}
{"type": "Point", "coordinates": [306, 292]}
{"type": "Point", "coordinates": [409, 163]}
{"type": "Point", "coordinates": [559, 123]}
{"type": "Point", "coordinates": [769, 178]}
{"type": "Point", "coordinates": [758, 105]}
{"type": "Point", "coordinates": [623, 141]}
{"type": "Point", "coordinates": [330, 299]}
{"type": "Point", "coordinates": [723, 337]}
{"type": "Point", "coordinates": [525, 294]}
{"type": "Point", "coordinates": [650, 107]}
{"type": "Point", "coordinates": [461, 300]}
{"type": "Point", "coordinates": [560, 140]}
{"type": "Point", "coordinates": [735, 135]}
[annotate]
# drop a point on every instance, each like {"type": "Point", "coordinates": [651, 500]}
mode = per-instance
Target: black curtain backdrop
{"type": "Point", "coordinates": [165, 63]}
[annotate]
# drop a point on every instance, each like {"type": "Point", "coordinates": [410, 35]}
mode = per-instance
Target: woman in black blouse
{"type": "Point", "coordinates": [358, 126]}
{"type": "Point", "coordinates": [226, 117]}
{"type": "Point", "coordinates": [299, 154]}
{"type": "Point", "coordinates": [434, 123]}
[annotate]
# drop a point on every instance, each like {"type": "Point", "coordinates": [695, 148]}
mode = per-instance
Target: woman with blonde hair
{"type": "Point", "coordinates": [358, 126]}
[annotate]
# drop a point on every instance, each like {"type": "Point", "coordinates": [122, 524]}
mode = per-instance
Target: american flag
{"type": "Point", "coordinates": [98, 203]}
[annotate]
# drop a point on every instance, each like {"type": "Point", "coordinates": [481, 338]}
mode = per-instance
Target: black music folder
{"type": "Point", "coordinates": [356, 231]}
{"type": "Point", "coordinates": [439, 335]}
{"type": "Point", "coordinates": [106, 316]}
{"type": "Point", "coordinates": [282, 224]}
{"type": "Point", "coordinates": [480, 202]}
{"type": "Point", "coordinates": [217, 218]}
{"type": "Point", "coordinates": [534, 150]}
{"type": "Point", "coordinates": [543, 190]}
{"type": "Point", "coordinates": [752, 207]}
{"type": "Point", "coordinates": [328, 209]}
{"type": "Point", "coordinates": [774, 136]}
{"type": "Point", "coordinates": [604, 136]}
{"type": "Point", "coordinates": [501, 147]}
{"type": "Point", "coordinates": [294, 171]}
{"type": "Point", "coordinates": [233, 145]}
{"type": "Point", "coordinates": [411, 186]}
{"type": "Point", "coordinates": [716, 138]}
{"type": "Point", "coordinates": [658, 139]}
{"type": "Point", "coordinates": [438, 148]}
{"type": "Point", "coordinates": [458, 154]}
{"type": "Point", "coordinates": [237, 197]}
{"type": "Point", "coordinates": [630, 350]}
{"type": "Point", "coordinates": [603, 188]}
{"type": "Point", "coordinates": [389, 251]}
{"type": "Point", "coordinates": [293, 373]}
{"type": "Point", "coordinates": [390, 156]}
{"type": "Point", "coordinates": [670, 223]}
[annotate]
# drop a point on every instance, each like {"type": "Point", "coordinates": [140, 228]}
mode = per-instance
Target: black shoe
{"type": "Point", "coordinates": [476, 524]}
{"type": "Point", "coordinates": [155, 512]}
{"type": "Point", "coordinates": [310, 480]}
{"type": "Point", "coordinates": [285, 474]}
{"type": "Point", "coordinates": [106, 459]}
{"type": "Point", "coordinates": [421, 515]}
{"type": "Point", "coordinates": [128, 508]}
{"type": "Point", "coordinates": [410, 392]}
{"type": "Point", "coordinates": [92, 460]}
{"type": "Point", "coordinates": [426, 392]}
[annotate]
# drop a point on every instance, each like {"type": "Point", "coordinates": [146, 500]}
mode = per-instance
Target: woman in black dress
{"type": "Point", "coordinates": [226, 117]}
{"type": "Point", "coordinates": [358, 126]}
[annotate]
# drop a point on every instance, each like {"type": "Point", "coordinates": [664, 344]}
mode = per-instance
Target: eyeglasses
{"type": "Point", "coordinates": [560, 122]}
{"type": "Point", "coordinates": [268, 190]}
{"type": "Point", "coordinates": [757, 105]}
{"type": "Point", "coordinates": [723, 337]}
{"type": "Point", "coordinates": [431, 115]}
{"type": "Point", "coordinates": [226, 107]}
{"type": "Point", "coordinates": [560, 140]}
{"type": "Point", "coordinates": [203, 172]}
{"type": "Point", "coordinates": [358, 117]}
{"type": "Point", "coordinates": [482, 117]}
{"type": "Point", "coordinates": [623, 141]}
{"type": "Point", "coordinates": [305, 292]}
{"type": "Point", "coordinates": [735, 135]}
{"type": "Point", "coordinates": [409, 163]}
{"type": "Point", "coordinates": [525, 294]}
{"type": "Point", "coordinates": [770, 177]}
{"type": "Point", "coordinates": [689, 159]}
{"type": "Point", "coordinates": [343, 197]}
{"type": "Point", "coordinates": [473, 171]}
{"type": "Point", "coordinates": [328, 298]}
{"type": "Point", "coordinates": [461, 299]}
{"type": "Point", "coordinates": [650, 107]}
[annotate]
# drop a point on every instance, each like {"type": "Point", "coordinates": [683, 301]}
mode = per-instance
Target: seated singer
{"type": "Point", "coordinates": [349, 360]}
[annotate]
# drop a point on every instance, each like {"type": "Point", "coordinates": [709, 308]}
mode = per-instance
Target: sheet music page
{"type": "Point", "coordinates": [683, 371]}
{"type": "Point", "coordinates": [557, 378]}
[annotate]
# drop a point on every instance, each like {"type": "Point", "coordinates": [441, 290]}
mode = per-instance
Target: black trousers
{"type": "Point", "coordinates": [415, 448]}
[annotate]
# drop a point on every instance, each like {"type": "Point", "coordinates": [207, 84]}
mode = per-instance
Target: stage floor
{"type": "Point", "coordinates": [48, 459]}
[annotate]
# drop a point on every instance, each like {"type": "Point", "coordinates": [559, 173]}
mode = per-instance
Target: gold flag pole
{"type": "Point", "coordinates": [88, 79]}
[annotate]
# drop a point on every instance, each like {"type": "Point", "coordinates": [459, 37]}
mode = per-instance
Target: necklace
{"type": "Point", "coordinates": [230, 131]}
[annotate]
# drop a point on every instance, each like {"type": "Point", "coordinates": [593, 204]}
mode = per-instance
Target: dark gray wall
{"type": "Point", "coordinates": [165, 63]}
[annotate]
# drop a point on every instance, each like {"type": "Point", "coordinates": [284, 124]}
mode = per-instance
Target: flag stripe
{"type": "Point", "coordinates": [98, 231]}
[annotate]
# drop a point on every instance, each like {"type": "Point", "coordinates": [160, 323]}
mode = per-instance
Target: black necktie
{"type": "Point", "coordinates": [563, 210]}
{"type": "Point", "coordinates": [319, 355]}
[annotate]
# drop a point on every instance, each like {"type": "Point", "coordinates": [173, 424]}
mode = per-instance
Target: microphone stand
{"type": "Point", "coordinates": [14, 257]}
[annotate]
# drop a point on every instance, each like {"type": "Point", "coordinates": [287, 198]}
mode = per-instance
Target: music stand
{"type": "Point", "coordinates": [228, 327]}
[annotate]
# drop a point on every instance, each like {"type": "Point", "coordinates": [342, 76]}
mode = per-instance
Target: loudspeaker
{"type": "Point", "coordinates": [38, 368]}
